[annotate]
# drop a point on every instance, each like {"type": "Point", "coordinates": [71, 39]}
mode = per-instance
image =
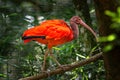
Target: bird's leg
{"type": "Point", "coordinates": [53, 57]}
{"type": "Point", "coordinates": [44, 62]}
{"type": "Point", "coordinates": [59, 65]}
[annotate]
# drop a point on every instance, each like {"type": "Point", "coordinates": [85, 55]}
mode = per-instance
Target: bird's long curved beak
{"type": "Point", "coordinates": [82, 23]}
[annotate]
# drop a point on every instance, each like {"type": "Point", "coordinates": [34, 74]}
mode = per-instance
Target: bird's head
{"type": "Point", "coordinates": [76, 19]}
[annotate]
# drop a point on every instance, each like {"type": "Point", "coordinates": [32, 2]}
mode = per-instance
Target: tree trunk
{"type": "Point", "coordinates": [112, 57]}
{"type": "Point", "coordinates": [82, 6]}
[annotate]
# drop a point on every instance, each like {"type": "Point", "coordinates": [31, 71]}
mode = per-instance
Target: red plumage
{"type": "Point", "coordinates": [56, 32]}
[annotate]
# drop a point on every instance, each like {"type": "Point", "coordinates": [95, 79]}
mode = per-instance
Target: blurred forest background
{"type": "Point", "coordinates": [21, 60]}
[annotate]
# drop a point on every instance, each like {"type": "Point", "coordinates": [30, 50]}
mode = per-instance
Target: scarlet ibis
{"type": "Point", "coordinates": [55, 32]}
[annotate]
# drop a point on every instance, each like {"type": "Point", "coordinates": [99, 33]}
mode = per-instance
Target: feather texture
{"type": "Point", "coordinates": [56, 32]}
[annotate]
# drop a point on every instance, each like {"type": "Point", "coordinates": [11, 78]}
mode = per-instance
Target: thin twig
{"type": "Point", "coordinates": [66, 68]}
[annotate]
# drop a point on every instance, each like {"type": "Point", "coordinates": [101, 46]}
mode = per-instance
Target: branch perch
{"type": "Point", "coordinates": [66, 68]}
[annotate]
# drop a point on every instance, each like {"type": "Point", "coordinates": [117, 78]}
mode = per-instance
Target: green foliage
{"type": "Point", "coordinates": [109, 38]}
{"type": "Point", "coordinates": [115, 17]}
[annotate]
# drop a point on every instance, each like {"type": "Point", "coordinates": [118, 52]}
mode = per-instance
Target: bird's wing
{"type": "Point", "coordinates": [48, 32]}
{"type": "Point", "coordinates": [53, 29]}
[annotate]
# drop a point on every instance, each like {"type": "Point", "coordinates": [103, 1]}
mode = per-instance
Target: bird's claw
{"type": "Point", "coordinates": [62, 67]}
{"type": "Point", "coordinates": [46, 72]}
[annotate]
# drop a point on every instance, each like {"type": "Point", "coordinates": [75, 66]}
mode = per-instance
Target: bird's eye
{"type": "Point", "coordinates": [75, 19]}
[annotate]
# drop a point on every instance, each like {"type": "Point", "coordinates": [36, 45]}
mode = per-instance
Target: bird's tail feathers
{"type": "Point", "coordinates": [30, 38]}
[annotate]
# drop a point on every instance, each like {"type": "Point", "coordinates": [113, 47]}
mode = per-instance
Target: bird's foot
{"type": "Point", "coordinates": [45, 72]}
{"type": "Point", "coordinates": [62, 67]}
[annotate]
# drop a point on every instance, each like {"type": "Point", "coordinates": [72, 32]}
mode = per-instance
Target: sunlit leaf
{"type": "Point", "coordinates": [81, 56]}
{"type": "Point", "coordinates": [111, 37]}
{"type": "Point", "coordinates": [116, 19]}
{"type": "Point", "coordinates": [3, 75]}
{"type": "Point", "coordinates": [108, 48]}
{"type": "Point", "coordinates": [109, 13]}
{"type": "Point", "coordinates": [56, 48]}
{"type": "Point", "coordinates": [107, 38]}
{"type": "Point", "coordinates": [103, 39]}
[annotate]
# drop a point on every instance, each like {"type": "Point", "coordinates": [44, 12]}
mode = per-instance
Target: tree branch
{"type": "Point", "coordinates": [66, 68]}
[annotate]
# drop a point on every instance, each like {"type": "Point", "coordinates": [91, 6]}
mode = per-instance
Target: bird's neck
{"type": "Point", "coordinates": [75, 29]}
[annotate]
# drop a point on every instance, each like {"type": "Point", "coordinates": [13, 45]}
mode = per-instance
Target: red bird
{"type": "Point", "coordinates": [55, 32]}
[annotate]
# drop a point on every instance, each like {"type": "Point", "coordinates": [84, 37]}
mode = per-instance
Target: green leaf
{"type": "Point", "coordinates": [111, 37]}
{"type": "Point", "coordinates": [3, 75]}
{"type": "Point", "coordinates": [81, 56]}
{"type": "Point", "coordinates": [109, 13]}
{"type": "Point", "coordinates": [108, 48]}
